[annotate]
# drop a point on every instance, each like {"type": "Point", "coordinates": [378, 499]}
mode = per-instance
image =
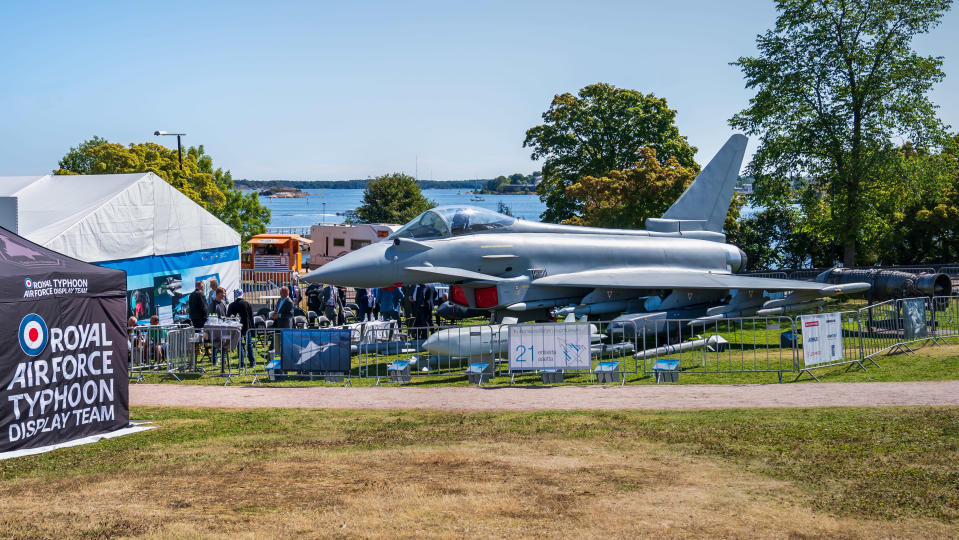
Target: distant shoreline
{"type": "Point", "coordinates": [260, 185]}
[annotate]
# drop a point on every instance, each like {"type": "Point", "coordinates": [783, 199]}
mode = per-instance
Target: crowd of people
{"type": "Point", "coordinates": [411, 306]}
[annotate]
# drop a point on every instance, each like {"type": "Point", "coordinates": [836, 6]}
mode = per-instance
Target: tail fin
{"type": "Point", "coordinates": [708, 197]}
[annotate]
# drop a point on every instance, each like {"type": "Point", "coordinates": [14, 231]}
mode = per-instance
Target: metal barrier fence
{"type": "Point", "coordinates": [182, 351]}
{"type": "Point", "coordinates": [880, 328]}
{"type": "Point", "coordinates": [946, 317]}
{"type": "Point", "coordinates": [850, 340]}
{"type": "Point", "coordinates": [147, 349]}
{"type": "Point", "coordinates": [741, 345]}
{"type": "Point", "coordinates": [389, 352]}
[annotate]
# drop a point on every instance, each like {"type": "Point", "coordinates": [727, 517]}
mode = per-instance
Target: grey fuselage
{"type": "Point", "coordinates": [517, 258]}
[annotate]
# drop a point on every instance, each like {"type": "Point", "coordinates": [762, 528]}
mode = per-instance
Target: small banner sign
{"type": "Point", "coordinates": [821, 338]}
{"type": "Point", "coordinates": [549, 346]}
{"type": "Point", "coordinates": [315, 350]}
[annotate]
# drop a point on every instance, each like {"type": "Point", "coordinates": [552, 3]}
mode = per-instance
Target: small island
{"type": "Point", "coordinates": [283, 193]}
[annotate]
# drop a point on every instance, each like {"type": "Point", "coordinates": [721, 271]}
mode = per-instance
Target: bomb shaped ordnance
{"type": "Point", "coordinates": [890, 283]}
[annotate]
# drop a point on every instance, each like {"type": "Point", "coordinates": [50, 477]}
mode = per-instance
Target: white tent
{"type": "Point", "coordinates": [134, 222]}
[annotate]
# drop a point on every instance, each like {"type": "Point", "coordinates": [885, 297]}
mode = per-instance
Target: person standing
{"type": "Point", "coordinates": [363, 304]}
{"type": "Point", "coordinates": [341, 315]}
{"type": "Point", "coordinates": [408, 292]}
{"type": "Point", "coordinates": [331, 304]}
{"type": "Point", "coordinates": [242, 309]}
{"type": "Point", "coordinates": [424, 297]}
{"type": "Point", "coordinates": [374, 304]}
{"type": "Point", "coordinates": [388, 299]}
{"type": "Point", "coordinates": [196, 304]}
{"type": "Point", "coordinates": [283, 316]}
{"type": "Point", "coordinates": [211, 295]}
{"type": "Point", "coordinates": [295, 289]}
{"type": "Point", "coordinates": [219, 308]}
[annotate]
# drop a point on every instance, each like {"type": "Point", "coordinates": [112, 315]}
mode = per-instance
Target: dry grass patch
{"type": "Point", "coordinates": [413, 474]}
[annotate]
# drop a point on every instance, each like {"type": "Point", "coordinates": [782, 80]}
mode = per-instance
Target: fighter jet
{"type": "Point", "coordinates": [679, 267]}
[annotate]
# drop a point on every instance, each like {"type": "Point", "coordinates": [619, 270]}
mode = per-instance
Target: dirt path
{"type": "Point", "coordinates": [562, 397]}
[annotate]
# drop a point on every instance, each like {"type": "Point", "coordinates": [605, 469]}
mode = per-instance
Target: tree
{"type": "Point", "coordinates": [773, 238]}
{"type": "Point", "coordinates": [836, 82]}
{"type": "Point", "coordinates": [392, 198]}
{"type": "Point", "coordinates": [601, 129]}
{"type": "Point", "coordinates": [624, 199]}
{"type": "Point", "coordinates": [922, 207]}
{"type": "Point", "coordinates": [79, 158]}
{"type": "Point", "coordinates": [210, 188]}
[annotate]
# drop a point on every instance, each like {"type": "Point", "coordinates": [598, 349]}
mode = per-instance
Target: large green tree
{"type": "Point", "coordinates": [212, 188]}
{"type": "Point", "coordinates": [836, 82]}
{"type": "Point", "coordinates": [601, 129]}
{"type": "Point", "coordinates": [392, 198]}
{"type": "Point", "coordinates": [624, 199]}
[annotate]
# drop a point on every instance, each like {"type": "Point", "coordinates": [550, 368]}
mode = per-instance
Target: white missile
{"type": "Point", "coordinates": [483, 341]}
{"type": "Point", "coordinates": [540, 304]}
{"type": "Point", "coordinates": [616, 306]}
{"type": "Point", "coordinates": [471, 341]}
{"type": "Point", "coordinates": [789, 307]}
{"type": "Point", "coordinates": [714, 342]}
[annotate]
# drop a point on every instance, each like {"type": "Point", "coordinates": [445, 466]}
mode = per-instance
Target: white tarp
{"type": "Point", "coordinates": [113, 216]}
{"type": "Point", "coordinates": [135, 427]}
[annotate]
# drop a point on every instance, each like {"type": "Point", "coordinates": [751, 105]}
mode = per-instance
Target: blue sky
{"type": "Point", "coordinates": [311, 90]}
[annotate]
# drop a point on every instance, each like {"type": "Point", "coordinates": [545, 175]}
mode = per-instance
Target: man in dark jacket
{"type": "Point", "coordinates": [242, 309]}
{"type": "Point", "coordinates": [424, 298]}
{"type": "Point", "coordinates": [374, 304]}
{"type": "Point", "coordinates": [284, 310]}
{"type": "Point", "coordinates": [363, 303]}
{"type": "Point", "coordinates": [197, 308]}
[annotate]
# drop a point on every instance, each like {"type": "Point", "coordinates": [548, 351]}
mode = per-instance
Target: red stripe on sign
{"type": "Point", "coordinates": [812, 323]}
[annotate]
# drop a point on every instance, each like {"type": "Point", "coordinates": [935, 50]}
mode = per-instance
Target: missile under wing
{"type": "Point", "coordinates": [679, 266]}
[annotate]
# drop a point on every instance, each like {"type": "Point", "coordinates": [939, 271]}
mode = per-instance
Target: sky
{"type": "Point", "coordinates": [342, 90]}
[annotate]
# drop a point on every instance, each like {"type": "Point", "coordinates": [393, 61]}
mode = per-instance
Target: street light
{"type": "Point", "coordinates": [179, 147]}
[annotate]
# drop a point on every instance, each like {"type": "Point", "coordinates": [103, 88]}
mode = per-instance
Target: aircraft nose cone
{"type": "Point", "coordinates": [366, 267]}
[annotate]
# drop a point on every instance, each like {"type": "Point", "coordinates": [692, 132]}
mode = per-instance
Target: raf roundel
{"type": "Point", "coordinates": [33, 334]}
{"type": "Point", "coordinates": [28, 283]}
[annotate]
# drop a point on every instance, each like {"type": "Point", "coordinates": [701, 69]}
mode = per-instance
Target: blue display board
{"type": "Point", "coordinates": [315, 350]}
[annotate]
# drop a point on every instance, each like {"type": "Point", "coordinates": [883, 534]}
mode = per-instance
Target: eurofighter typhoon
{"type": "Point", "coordinates": [678, 268]}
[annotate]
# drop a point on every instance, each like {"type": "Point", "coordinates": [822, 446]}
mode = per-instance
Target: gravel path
{"type": "Point", "coordinates": [561, 397]}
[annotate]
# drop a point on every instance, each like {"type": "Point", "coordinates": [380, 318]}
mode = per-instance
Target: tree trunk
{"type": "Point", "coordinates": [849, 254]}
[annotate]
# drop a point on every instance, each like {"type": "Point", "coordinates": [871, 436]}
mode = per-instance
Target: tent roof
{"type": "Point", "coordinates": [25, 266]}
{"type": "Point", "coordinates": [113, 216]}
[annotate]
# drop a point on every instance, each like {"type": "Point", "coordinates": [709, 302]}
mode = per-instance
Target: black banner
{"type": "Point", "coordinates": [63, 348]}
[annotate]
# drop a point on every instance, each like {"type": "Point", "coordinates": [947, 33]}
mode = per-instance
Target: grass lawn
{"type": "Point", "coordinates": [851, 472]}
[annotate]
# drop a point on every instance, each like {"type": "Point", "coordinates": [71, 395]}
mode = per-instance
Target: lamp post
{"type": "Point", "coordinates": [179, 147]}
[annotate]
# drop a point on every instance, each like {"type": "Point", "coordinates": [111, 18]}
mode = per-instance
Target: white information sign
{"type": "Point", "coordinates": [821, 338]}
{"type": "Point", "coordinates": [549, 346]}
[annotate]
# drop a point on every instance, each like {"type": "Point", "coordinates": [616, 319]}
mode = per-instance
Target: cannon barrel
{"type": "Point", "coordinates": [891, 283]}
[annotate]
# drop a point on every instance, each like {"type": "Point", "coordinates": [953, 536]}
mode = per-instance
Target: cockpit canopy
{"type": "Point", "coordinates": [444, 221]}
